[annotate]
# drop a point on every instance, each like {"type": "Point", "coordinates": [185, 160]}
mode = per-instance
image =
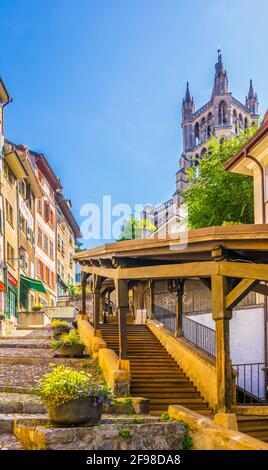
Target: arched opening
{"type": "Point", "coordinates": [196, 164]}
{"type": "Point", "coordinates": [222, 140]}
{"type": "Point", "coordinates": [209, 125]}
{"type": "Point", "coordinates": [241, 122]}
{"type": "Point", "coordinates": [235, 120]}
{"type": "Point", "coordinates": [222, 114]}
{"type": "Point", "coordinates": [246, 123]}
{"type": "Point", "coordinates": [203, 152]}
{"type": "Point", "coordinates": [203, 130]}
{"type": "Point", "coordinates": [196, 134]}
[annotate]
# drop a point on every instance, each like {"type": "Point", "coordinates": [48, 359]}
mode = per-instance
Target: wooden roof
{"type": "Point", "coordinates": [241, 242]}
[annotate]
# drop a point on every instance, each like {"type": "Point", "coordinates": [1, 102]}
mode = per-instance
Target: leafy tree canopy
{"type": "Point", "coordinates": [136, 228]}
{"type": "Point", "coordinates": [215, 196]}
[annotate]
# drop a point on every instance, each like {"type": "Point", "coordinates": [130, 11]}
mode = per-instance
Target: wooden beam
{"type": "Point", "coordinates": [244, 270]}
{"type": "Point", "coordinates": [223, 359]}
{"type": "Point", "coordinates": [122, 304]}
{"type": "Point", "coordinates": [170, 271]}
{"type": "Point", "coordinates": [261, 289]}
{"type": "Point", "coordinates": [239, 292]}
{"type": "Point", "coordinates": [96, 300]}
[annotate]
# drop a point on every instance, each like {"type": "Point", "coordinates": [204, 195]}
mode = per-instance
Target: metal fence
{"type": "Point", "coordinates": [201, 336]}
{"type": "Point", "coordinates": [251, 383]}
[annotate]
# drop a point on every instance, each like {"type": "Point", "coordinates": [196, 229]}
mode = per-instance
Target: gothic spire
{"type": "Point", "coordinates": [252, 99]}
{"type": "Point", "coordinates": [187, 104]}
{"type": "Point", "coordinates": [221, 78]}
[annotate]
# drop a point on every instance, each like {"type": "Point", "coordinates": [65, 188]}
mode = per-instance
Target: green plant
{"type": "Point", "coordinates": [125, 433]}
{"type": "Point", "coordinates": [56, 323]}
{"type": "Point", "coordinates": [37, 307]}
{"type": "Point", "coordinates": [66, 341]}
{"type": "Point", "coordinates": [165, 416]}
{"type": "Point", "coordinates": [128, 401]}
{"type": "Point", "coordinates": [215, 196]}
{"type": "Point", "coordinates": [64, 384]}
{"type": "Point", "coordinates": [187, 441]}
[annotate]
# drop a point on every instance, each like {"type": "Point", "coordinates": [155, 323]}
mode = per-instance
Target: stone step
{"type": "Point", "coordinates": [9, 442]}
{"type": "Point", "coordinates": [7, 420]}
{"type": "Point", "coordinates": [20, 403]}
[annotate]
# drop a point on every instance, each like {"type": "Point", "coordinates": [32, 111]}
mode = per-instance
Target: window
{"type": "Point", "coordinates": [22, 188]}
{"type": "Point", "coordinates": [8, 174]}
{"type": "Point", "coordinates": [58, 267]}
{"type": "Point", "coordinates": [46, 243]}
{"type": "Point", "coordinates": [52, 279]}
{"type": "Point", "coordinates": [51, 218]}
{"type": "Point", "coordinates": [51, 250]}
{"type": "Point", "coordinates": [222, 114]}
{"type": "Point", "coordinates": [40, 269]}
{"type": "Point", "coordinates": [9, 213]}
{"type": "Point", "coordinates": [39, 236]}
{"type": "Point", "coordinates": [46, 275]}
{"type": "Point", "coordinates": [10, 255]}
{"type": "Point", "coordinates": [40, 177]}
{"type": "Point", "coordinates": [46, 211]}
{"type": "Point", "coordinates": [39, 205]}
{"type": "Point", "coordinates": [23, 224]}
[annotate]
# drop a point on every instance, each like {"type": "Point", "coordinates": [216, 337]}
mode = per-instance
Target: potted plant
{"type": "Point", "coordinates": [72, 397]}
{"type": "Point", "coordinates": [59, 327]}
{"type": "Point", "coordinates": [37, 307]}
{"type": "Point", "coordinates": [69, 345]}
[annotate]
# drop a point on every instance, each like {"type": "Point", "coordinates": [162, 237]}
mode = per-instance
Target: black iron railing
{"type": "Point", "coordinates": [199, 335]}
{"type": "Point", "coordinates": [251, 383]}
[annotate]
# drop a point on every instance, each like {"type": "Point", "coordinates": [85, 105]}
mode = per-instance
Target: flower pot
{"type": "Point", "coordinates": [76, 412]}
{"type": "Point", "coordinates": [60, 330]}
{"type": "Point", "coordinates": [71, 351]}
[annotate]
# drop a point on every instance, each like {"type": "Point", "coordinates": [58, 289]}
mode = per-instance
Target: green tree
{"type": "Point", "coordinates": [214, 196]}
{"type": "Point", "coordinates": [136, 228]}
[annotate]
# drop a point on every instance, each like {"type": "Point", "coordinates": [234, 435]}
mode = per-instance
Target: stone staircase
{"type": "Point", "coordinates": [154, 373]}
{"type": "Point", "coordinates": [255, 426]}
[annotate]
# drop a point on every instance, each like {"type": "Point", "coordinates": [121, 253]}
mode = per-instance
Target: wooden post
{"type": "Point", "coordinates": [96, 300]}
{"type": "Point", "coordinates": [223, 360]}
{"type": "Point", "coordinates": [151, 287]}
{"type": "Point", "coordinates": [179, 307]}
{"type": "Point", "coordinates": [83, 286]}
{"type": "Point", "coordinates": [122, 304]}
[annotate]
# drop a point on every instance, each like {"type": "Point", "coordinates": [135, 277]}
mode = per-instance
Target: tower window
{"type": "Point", "coordinates": [197, 134]}
{"type": "Point", "coordinates": [222, 114]}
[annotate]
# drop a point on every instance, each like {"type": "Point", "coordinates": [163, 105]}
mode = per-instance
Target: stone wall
{"type": "Point", "coordinates": [110, 436]}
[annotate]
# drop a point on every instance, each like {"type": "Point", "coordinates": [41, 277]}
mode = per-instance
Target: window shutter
{"type": "Point", "coordinates": [46, 211]}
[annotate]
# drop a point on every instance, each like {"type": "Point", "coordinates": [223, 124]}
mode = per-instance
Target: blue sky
{"type": "Point", "coordinates": [97, 84]}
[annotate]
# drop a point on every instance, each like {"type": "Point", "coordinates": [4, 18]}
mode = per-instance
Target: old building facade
{"type": "Point", "coordinates": [67, 233]}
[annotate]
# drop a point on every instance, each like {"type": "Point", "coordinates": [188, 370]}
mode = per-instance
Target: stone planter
{"type": "Point", "coordinates": [60, 330]}
{"type": "Point", "coordinates": [76, 350]}
{"type": "Point", "coordinates": [76, 412]}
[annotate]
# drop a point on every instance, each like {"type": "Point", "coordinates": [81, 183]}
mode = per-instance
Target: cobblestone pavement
{"type": "Point", "coordinates": [9, 442]}
{"type": "Point", "coordinates": [26, 352]}
{"type": "Point", "coordinates": [24, 342]}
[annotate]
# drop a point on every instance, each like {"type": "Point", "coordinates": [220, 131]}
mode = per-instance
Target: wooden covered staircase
{"type": "Point", "coordinates": [154, 373]}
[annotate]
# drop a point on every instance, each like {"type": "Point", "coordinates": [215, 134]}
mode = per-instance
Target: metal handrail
{"type": "Point", "coordinates": [251, 382]}
{"type": "Point", "coordinates": [201, 336]}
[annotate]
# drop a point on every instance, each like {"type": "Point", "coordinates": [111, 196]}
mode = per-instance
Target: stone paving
{"type": "Point", "coordinates": [9, 442]}
{"type": "Point", "coordinates": [25, 357]}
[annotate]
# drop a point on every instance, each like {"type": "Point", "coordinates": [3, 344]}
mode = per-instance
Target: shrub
{"type": "Point", "coordinates": [64, 384]}
{"type": "Point", "coordinates": [125, 433]}
{"type": "Point", "coordinates": [56, 323]}
{"type": "Point", "coordinates": [165, 416]}
{"type": "Point", "coordinates": [67, 341]}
